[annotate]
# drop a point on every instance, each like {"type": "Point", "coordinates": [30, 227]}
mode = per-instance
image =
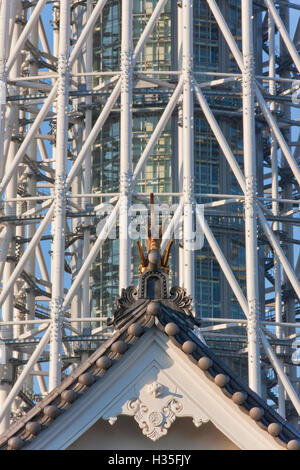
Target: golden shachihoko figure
{"type": "Point", "coordinates": [153, 247]}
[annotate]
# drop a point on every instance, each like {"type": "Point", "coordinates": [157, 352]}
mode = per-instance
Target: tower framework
{"type": "Point", "coordinates": [54, 105]}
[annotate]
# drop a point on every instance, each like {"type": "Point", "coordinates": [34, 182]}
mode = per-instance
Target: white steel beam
{"type": "Point", "coordinates": [280, 253]}
{"type": "Point", "coordinates": [252, 276]}
{"type": "Point", "coordinates": [114, 95]}
{"type": "Point", "coordinates": [4, 23]}
{"type": "Point", "coordinates": [24, 374]}
{"type": "Point", "coordinates": [126, 147]}
{"type": "Point", "coordinates": [31, 133]}
{"type": "Point", "coordinates": [24, 35]}
{"type": "Point", "coordinates": [238, 57]}
{"type": "Point", "coordinates": [265, 110]}
{"type": "Point", "coordinates": [294, 397]}
{"type": "Point", "coordinates": [219, 136]}
{"type": "Point", "coordinates": [23, 260]}
{"type": "Point", "coordinates": [240, 178]}
{"type": "Point", "coordinates": [226, 32]}
{"type": "Point", "coordinates": [87, 185]}
{"type": "Point", "coordinates": [59, 223]}
{"type": "Point", "coordinates": [87, 30]}
{"type": "Point", "coordinates": [244, 305]}
{"type": "Point", "coordinates": [78, 180]}
{"type": "Point", "coordinates": [111, 220]}
{"type": "Point", "coordinates": [168, 233]}
{"type": "Point", "coordinates": [157, 131]}
{"type": "Point", "coordinates": [188, 139]}
{"type": "Point", "coordinates": [148, 29]}
{"type": "Point", "coordinates": [275, 204]}
{"type": "Point", "coordinates": [284, 34]}
{"type": "Point", "coordinates": [180, 143]}
{"type": "Point", "coordinates": [224, 264]}
{"type": "Point", "coordinates": [48, 102]}
{"type": "Point", "coordinates": [8, 312]}
{"type": "Point", "coordinates": [279, 137]}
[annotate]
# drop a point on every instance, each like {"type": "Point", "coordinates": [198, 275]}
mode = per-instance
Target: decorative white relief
{"type": "Point", "coordinates": [112, 420]}
{"type": "Point", "coordinates": [155, 406]}
{"type": "Point", "coordinates": [154, 423]}
{"type": "Point", "coordinates": [155, 389]}
{"type": "Point", "coordinates": [198, 421]}
{"type": "Point", "coordinates": [155, 396]}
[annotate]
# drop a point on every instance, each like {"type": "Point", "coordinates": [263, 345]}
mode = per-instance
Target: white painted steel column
{"type": "Point", "coordinates": [188, 144]}
{"type": "Point", "coordinates": [6, 377]}
{"type": "Point", "coordinates": [180, 140]}
{"type": "Point", "coordinates": [31, 185]}
{"type": "Point", "coordinates": [8, 305]}
{"type": "Point", "coordinates": [275, 204]}
{"type": "Point", "coordinates": [87, 164]}
{"type": "Point", "coordinates": [250, 197]}
{"type": "Point", "coordinates": [76, 248]}
{"type": "Point", "coordinates": [59, 222]}
{"type": "Point", "coordinates": [4, 22]}
{"type": "Point", "coordinates": [125, 143]}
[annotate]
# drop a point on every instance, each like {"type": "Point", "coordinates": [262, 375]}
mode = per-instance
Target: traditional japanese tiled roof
{"type": "Point", "coordinates": [138, 310]}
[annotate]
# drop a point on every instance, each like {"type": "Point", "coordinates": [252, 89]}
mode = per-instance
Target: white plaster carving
{"type": "Point", "coordinates": [112, 420]}
{"type": "Point", "coordinates": [198, 421]}
{"type": "Point", "coordinates": [155, 405]}
{"type": "Point", "coordinates": [155, 389]}
{"type": "Point", "coordinates": [154, 423]}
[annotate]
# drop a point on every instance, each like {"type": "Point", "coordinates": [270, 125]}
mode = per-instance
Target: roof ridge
{"type": "Point", "coordinates": [173, 321]}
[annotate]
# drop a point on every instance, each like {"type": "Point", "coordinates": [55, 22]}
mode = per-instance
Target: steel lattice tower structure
{"type": "Point", "coordinates": [55, 103]}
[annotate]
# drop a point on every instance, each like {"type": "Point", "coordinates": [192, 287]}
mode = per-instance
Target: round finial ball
{"type": "Point", "coordinates": [135, 329]}
{"type": "Point", "coordinates": [294, 444]}
{"type": "Point", "coordinates": [239, 398]}
{"type": "Point", "coordinates": [51, 411]}
{"type": "Point", "coordinates": [86, 379]}
{"type": "Point", "coordinates": [119, 347]}
{"type": "Point", "coordinates": [205, 363]}
{"type": "Point", "coordinates": [188, 347]}
{"type": "Point", "coordinates": [33, 427]}
{"type": "Point", "coordinates": [221, 380]}
{"type": "Point", "coordinates": [154, 257]}
{"type": "Point", "coordinates": [171, 329]}
{"type": "Point", "coordinates": [256, 413]}
{"type": "Point", "coordinates": [15, 443]}
{"type": "Point", "coordinates": [69, 396]}
{"type": "Point", "coordinates": [103, 362]}
{"type": "Point", "coordinates": [274, 429]}
{"type": "Point", "coordinates": [153, 308]}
